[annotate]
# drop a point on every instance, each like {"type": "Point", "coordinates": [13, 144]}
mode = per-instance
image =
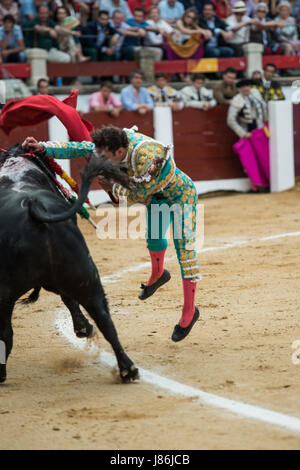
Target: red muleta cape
{"type": "Point", "coordinates": [35, 109]}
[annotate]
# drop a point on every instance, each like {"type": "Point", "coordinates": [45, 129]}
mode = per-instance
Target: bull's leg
{"type": "Point", "coordinates": [6, 335]}
{"type": "Point", "coordinates": [82, 327]}
{"type": "Point", "coordinates": [97, 307]}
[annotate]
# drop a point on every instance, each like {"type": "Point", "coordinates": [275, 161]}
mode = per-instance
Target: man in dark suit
{"type": "Point", "coordinates": [99, 37]}
{"type": "Point", "coordinates": [216, 46]}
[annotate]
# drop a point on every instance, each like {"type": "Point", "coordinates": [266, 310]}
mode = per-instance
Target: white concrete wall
{"type": "Point", "coordinates": [282, 166]}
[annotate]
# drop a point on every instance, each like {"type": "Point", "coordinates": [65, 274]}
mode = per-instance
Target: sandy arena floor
{"type": "Point", "coordinates": [58, 397]}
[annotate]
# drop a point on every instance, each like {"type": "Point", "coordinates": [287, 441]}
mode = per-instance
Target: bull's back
{"type": "Point", "coordinates": [34, 253]}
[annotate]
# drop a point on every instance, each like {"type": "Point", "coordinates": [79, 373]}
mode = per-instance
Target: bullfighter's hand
{"type": "Point", "coordinates": [30, 143]}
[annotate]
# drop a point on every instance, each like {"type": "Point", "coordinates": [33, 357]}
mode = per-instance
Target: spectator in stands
{"type": "Point", "coordinates": [196, 95]}
{"type": "Point", "coordinates": [263, 31]}
{"type": "Point", "coordinates": [295, 9]}
{"type": "Point", "coordinates": [287, 33]}
{"type": "Point", "coordinates": [171, 10]}
{"type": "Point", "coordinates": [217, 45]}
{"type": "Point", "coordinates": [11, 41]}
{"type": "Point", "coordinates": [223, 8]}
{"type": "Point", "coordinates": [9, 7]}
{"type": "Point", "coordinates": [42, 87]}
{"type": "Point", "coordinates": [157, 29]}
{"type": "Point", "coordinates": [67, 37]}
{"type": "Point", "coordinates": [99, 38]}
{"type": "Point", "coordinates": [112, 5]}
{"type": "Point", "coordinates": [197, 4]}
{"type": "Point", "coordinates": [135, 97]}
{"type": "Point", "coordinates": [225, 90]}
{"type": "Point", "coordinates": [28, 10]}
{"type": "Point", "coordinates": [138, 20]}
{"type": "Point", "coordinates": [239, 24]}
{"type": "Point", "coordinates": [71, 6]}
{"type": "Point", "coordinates": [256, 75]}
{"type": "Point", "coordinates": [144, 4]}
{"type": "Point", "coordinates": [273, 5]}
{"type": "Point", "coordinates": [88, 11]}
{"type": "Point", "coordinates": [163, 94]}
{"type": "Point", "coordinates": [41, 33]}
{"type": "Point", "coordinates": [105, 101]}
{"type": "Point", "coordinates": [269, 89]}
{"type": "Point", "coordinates": [187, 41]}
{"type": "Point", "coordinates": [247, 110]}
{"type": "Point", "coordinates": [138, 25]}
{"type": "Point", "coordinates": [121, 50]}
{"type": "Point", "coordinates": [250, 7]}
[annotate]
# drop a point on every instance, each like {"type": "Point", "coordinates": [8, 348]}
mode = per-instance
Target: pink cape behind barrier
{"type": "Point", "coordinates": [254, 157]}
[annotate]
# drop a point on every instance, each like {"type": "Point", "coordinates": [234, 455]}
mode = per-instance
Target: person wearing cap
{"type": "Point", "coordinates": [246, 113]}
{"type": "Point", "coordinates": [239, 24]}
{"type": "Point", "coordinates": [287, 33]}
{"type": "Point", "coordinates": [247, 110]}
{"type": "Point", "coordinates": [263, 31]}
{"type": "Point", "coordinates": [249, 5]}
{"type": "Point", "coordinates": [269, 89]}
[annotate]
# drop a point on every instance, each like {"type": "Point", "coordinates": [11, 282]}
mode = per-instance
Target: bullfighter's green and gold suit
{"type": "Point", "coordinates": [158, 182]}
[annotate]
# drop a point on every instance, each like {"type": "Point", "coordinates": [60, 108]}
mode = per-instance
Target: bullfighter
{"type": "Point", "coordinates": [156, 182]}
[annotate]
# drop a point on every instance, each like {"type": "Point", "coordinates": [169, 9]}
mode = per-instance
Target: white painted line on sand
{"type": "Point", "coordinates": [237, 244]}
{"type": "Point", "coordinates": [64, 326]}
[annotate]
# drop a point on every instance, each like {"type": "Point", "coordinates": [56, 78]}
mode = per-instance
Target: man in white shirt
{"type": "Point", "coordinates": [171, 10]}
{"type": "Point", "coordinates": [239, 24]}
{"type": "Point", "coordinates": [196, 95]}
{"type": "Point", "coordinates": [123, 29]}
{"type": "Point", "coordinates": [159, 27]}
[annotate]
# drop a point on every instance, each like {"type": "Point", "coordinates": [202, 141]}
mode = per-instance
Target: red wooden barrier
{"type": "Point", "coordinates": [15, 70]}
{"type": "Point", "coordinates": [40, 132]}
{"type": "Point", "coordinates": [171, 66]}
{"type": "Point", "coordinates": [282, 62]}
{"type": "Point", "coordinates": [238, 63]}
{"type": "Point", "coordinates": [203, 144]}
{"type": "Point", "coordinates": [93, 69]}
{"type": "Point", "coordinates": [126, 119]}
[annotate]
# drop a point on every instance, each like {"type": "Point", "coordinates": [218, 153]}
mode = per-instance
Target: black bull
{"type": "Point", "coordinates": [41, 246]}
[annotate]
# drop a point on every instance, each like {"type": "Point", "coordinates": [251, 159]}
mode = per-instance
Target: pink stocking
{"type": "Point", "coordinates": [188, 309]}
{"type": "Point", "coordinates": [157, 261]}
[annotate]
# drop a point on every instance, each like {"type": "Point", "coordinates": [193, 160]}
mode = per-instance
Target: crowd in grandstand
{"type": "Point", "coordinates": [109, 30]}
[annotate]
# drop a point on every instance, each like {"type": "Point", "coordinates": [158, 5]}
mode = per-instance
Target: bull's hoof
{"type": "Point", "coordinates": [129, 374]}
{"type": "Point", "coordinates": [2, 373]}
{"type": "Point", "coordinates": [86, 332]}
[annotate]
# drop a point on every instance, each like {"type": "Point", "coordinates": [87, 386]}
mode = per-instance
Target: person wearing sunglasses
{"type": "Point", "coordinates": [263, 31]}
{"type": "Point", "coordinates": [239, 24]}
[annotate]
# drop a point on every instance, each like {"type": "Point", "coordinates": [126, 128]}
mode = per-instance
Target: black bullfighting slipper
{"type": "Point", "coordinates": [147, 291]}
{"type": "Point", "coordinates": [180, 333]}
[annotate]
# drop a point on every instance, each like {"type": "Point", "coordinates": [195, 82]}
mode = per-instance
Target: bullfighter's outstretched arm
{"type": "Point", "coordinates": [68, 150]}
